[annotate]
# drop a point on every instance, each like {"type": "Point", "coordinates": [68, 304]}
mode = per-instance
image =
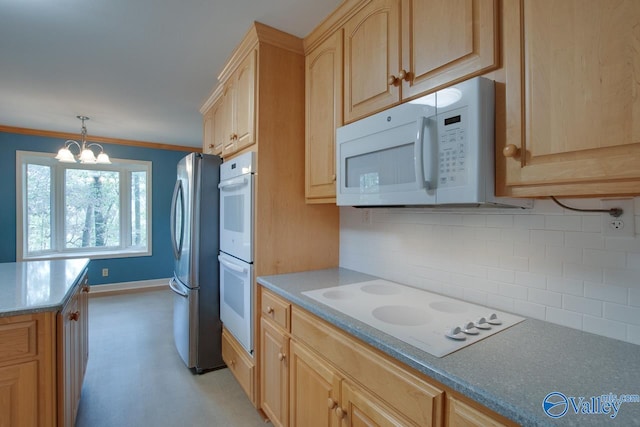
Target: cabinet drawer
{"type": "Point", "coordinates": [275, 308]}
{"type": "Point", "coordinates": [421, 402]}
{"type": "Point", "coordinates": [18, 340]}
{"type": "Point", "coordinates": [239, 363]}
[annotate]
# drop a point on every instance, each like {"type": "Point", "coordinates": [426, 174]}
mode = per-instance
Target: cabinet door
{"type": "Point", "coordinates": [274, 373]}
{"type": "Point", "coordinates": [218, 126]}
{"type": "Point", "coordinates": [227, 119]}
{"type": "Point", "coordinates": [359, 408]}
{"type": "Point", "coordinates": [19, 394]}
{"type": "Point", "coordinates": [244, 102]}
{"type": "Point", "coordinates": [572, 110]}
{"type": "Point", "coordinates": [69, 361]}
{"type": "Point", "coordinates": [207, 132]}
{"type": "Point", "coordinates": [323, 115]}
{"type": "Point", "coordinates": [83, 307]}
{"type": "Point", "coordinates": [372, 59]}
{"type": "Point", "coordinates": [314, 389]}
{"type": "Point", "coordinates": [447, 41]}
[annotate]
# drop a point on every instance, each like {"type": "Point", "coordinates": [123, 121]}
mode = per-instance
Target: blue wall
{"type": "Point", "coordinates": [159, 265]}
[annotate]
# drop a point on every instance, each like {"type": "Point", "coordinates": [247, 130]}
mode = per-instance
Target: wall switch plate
{"type": "Point", "coordinates": [622, 226]}
{"type": "Point", "coordinates": [105, 272]}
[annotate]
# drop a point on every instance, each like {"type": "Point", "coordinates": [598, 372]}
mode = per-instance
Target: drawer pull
{"type": "Point", "coordinates": [341, 413]}
{"type": "Point", "coordinates": [511, 151]}
{"type": "Point", "coordinates": [269, 310]}
{"type": "Point", "coordinates": [332, 403]}
{"type": "Point", "coordinates": [74, 316]}
{"type": "Point", "coordinates": [281, 356]}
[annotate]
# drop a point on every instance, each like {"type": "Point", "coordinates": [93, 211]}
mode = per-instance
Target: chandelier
{"type": "Point", "coordinates": [85, 152]}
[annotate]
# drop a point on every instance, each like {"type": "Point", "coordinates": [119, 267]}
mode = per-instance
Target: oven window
{"type": "Point", "coordinates": [234, 213]}
{"type": "Point", "coordinates": [234, 292]}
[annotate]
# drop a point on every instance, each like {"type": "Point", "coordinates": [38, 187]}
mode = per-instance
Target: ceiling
{"type": "Point", "coordinates": [139, 69]}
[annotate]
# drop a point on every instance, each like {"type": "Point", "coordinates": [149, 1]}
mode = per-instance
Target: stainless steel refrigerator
{"type": "Point", "coordinates": [197, 327]}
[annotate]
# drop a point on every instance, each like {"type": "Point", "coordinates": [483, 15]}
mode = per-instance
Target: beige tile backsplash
{"type": "Point", "coordinates": [547, 262]}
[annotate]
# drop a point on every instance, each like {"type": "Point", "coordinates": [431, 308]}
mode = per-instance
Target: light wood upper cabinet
{"type": "Point", "coordinates": [243, 106]}
{"type": "Point", "coordinates": [372, 57]}
{"type": "Point", "coordinates": [233, 113]}
{"type": "Point", "coordinates": [214, 128]}
{"type": "Point", "coordinates": [207, 132]}
{"type": "Point", "coordinates": [396, 50]}
{"type": "Point", "coordinates": [323, 76]}
{"type": "Point", "coordinates": [447, 41]}
{"type": "Point", "coordinates": [572, 110]}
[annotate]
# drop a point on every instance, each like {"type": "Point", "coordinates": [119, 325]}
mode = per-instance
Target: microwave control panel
{"type": "Point", "coordinates": [453, 149]}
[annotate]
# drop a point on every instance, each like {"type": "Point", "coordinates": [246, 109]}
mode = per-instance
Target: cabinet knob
{"type": "Point", "coordinates": [392, 80]}
{"type": "Point", "coordinates": [232, 363]}
{"type": "Point", "coordinates": [341, 413]}
{"type": "Point", "coordinates": [332, 403]}
{"type": "Point", "coordinates": [333, 178]}
{"type": "Point", "coordinates": [403, 75]}
{"type": "Point", "coordinates": [231, 137]}
{"type": "Point", "coordinates": [269, 310]}
{"type": "Point", "coordinates": [511, 151]}
{"type": "Point", "coordinates": [74, 316]}
{"type": "Point", "coordinates": [210, 145]}
{"type": "Point", "coordinates": [281, 356]}
{"type": "Point", "coordinates": [85, 289]}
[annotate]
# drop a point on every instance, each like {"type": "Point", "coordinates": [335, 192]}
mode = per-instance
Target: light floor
{"type": "Point", "coordinates": [135, 376]}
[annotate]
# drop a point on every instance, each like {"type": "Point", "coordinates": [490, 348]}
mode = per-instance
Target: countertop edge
{"type": "Point", "coordinates": [51, 306]}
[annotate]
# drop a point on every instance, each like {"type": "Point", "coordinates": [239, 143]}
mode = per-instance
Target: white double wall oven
{"type": "Point", "coordinates": [236, 247]}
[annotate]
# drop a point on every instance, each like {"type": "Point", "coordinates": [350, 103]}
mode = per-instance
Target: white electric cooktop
{"type": "Point", "coordinates": [434, 323]}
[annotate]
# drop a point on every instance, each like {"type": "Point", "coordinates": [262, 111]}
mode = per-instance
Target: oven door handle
{"type": "Point", "coordinates": [172, 285]}
{"type": "Point", "coordinates": [232, 266]}
{"type": "Point", "coordinates": [233, 183]}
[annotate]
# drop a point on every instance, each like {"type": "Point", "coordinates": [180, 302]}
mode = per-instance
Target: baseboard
{"type": "Point", "coordinates": [124, 287]}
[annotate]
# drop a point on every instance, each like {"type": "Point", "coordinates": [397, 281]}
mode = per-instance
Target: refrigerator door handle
{"type": "Point", "coordinates": [177, 197]}
{"type": "Point", "coordinates": [172, 285]}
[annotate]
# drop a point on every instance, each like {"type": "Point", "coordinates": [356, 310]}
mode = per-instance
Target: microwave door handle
{"type": "Point", "coordinates": [233, 183]}
{"type": "Point", "coordinates": [423, 171]}
{"type": "Point", "coordinates": [231, 266]}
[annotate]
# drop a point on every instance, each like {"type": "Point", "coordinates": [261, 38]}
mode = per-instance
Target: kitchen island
{"type": "Point", "coordinates": [511, 373]}
{"type": "Point", "coordinates": [43, 341]}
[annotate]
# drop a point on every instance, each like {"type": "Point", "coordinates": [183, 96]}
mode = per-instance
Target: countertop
{"type": "Point", "coordinates": [37, 286]}
{"type": "Point", "coordinates": [510, 372]}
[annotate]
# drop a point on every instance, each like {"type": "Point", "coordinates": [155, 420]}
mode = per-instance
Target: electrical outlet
{"type": "Point", "coordinates": [366, 216]}
{"type": "Point", "coordinates": [105, 272]}
{"type": "Point", "coordinates": [622, 226]}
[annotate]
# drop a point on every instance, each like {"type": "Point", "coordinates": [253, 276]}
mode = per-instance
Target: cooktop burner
{"type": "Point", "coordinates": [434, 323]}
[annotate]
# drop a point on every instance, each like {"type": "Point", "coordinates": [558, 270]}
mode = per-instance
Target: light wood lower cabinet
{"type": "Point", "coordinates": [314, 389]}
{"type": "Point", "coordinates": [239, 363]}
{"type": "Point", "coordinates": [313, 374]}
{"type": "Point", "coordinates": [43, 358]}
{"type": "Point", "coordinates": [73, 353]}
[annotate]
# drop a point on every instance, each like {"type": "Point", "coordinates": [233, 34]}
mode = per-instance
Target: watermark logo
{"type": "Point", "coordinates": [556, 404]}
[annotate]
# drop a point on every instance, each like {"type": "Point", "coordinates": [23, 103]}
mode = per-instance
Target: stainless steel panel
{"type": "Point", "coordinates": [185, 321]}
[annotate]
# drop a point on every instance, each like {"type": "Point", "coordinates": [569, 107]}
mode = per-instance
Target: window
{"type": "Point", "coordinates": [67, 210]}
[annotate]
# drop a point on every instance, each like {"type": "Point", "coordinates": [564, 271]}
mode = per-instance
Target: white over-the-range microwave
{"type": "Point", "coordinates": [434, 151]}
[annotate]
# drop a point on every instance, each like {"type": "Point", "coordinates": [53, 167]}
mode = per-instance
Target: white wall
{"type": "Point", "coordinates": [547, 263]}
